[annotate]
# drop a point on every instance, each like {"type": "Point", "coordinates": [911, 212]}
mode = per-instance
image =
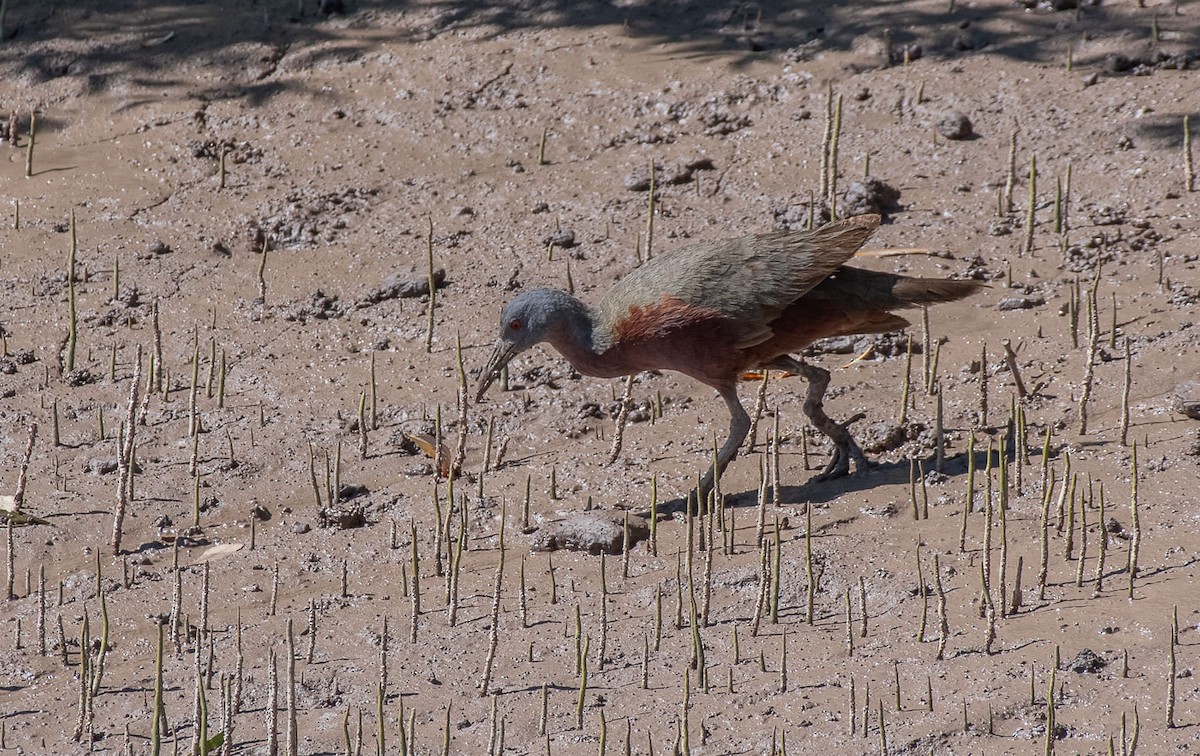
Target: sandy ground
{"type": "Point", "coordinates": [346, 139]}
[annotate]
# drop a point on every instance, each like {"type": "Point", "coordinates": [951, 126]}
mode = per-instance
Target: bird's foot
{"type": "Point", "coordinates": [845, 450]}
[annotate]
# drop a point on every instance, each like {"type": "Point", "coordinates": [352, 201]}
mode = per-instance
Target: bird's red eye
{"type": "Point", "coordinates": [514, 324]}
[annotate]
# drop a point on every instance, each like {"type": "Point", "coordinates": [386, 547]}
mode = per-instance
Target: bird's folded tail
{"type": "Point", "coordinates": [860, 290]}
{"type": "Point", "coordinates": [910, 291]}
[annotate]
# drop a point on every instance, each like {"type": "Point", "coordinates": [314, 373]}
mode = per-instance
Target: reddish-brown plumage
{"type": "Point", "coordinates": [649, 323]}
{"type": "Point", "coordinates": [716, 309]}
{"type": "Point", "coordinates": [672, 332]}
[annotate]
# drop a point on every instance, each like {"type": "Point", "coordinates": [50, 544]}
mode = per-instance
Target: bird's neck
{"type": "Point", "coordinates": [581, 338]}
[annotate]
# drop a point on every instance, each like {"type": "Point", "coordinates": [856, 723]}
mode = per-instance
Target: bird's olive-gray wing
{"type": "Point", "coordinates": [748, 280]}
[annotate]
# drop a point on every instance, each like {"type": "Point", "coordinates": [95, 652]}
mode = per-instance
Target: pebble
{"type": "Point", "coordinates": [562, 238]}
{"type": "Point", "coordinates": [999, 227]}
{"type": "Point", "coordinates": [78, 377]}
{"type": "Point", "coordinates": [404, 286]}
{"type": "Point", "coordinates": [1020, 303]}
{"type": "Point", "coordinates": [965, 42]}
{"type": "Point", "coordinates": [100, 466]}
{"type": "Point", "coordinates": [870, 195]}
{"type": "Point", "coordinates": [954, 124]}
{"type": "Point", "coordinates": [680, 172]}
{"type": "Point", "coordinates": [593, 532]}
{"type": "Point", "coordinates": [1087, 660]}
{"type": "Point", "coordinates": [1187, 399]}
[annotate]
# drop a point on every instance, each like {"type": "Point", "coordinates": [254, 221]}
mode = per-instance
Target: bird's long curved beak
{"type": "Point", "coordinates": [501, 356]}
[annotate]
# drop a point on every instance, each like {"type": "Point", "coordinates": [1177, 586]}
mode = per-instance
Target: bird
{"type": "Point", "coordinates": [715, 310]}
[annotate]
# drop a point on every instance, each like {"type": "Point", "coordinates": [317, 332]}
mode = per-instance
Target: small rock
{"type": "Point", "coordinates": [1020, 303]}
{"type": "Point", "coordinates": [1106, 215]}
{"type": "Point", "coordinates": [884, 437]}
{"type": "Point", "coordinates": [417, 470]}
{"type": "Point", "coordinates": [965, 41]}
{"type": "Point", "coordinates": [404, 286]}
{"type": "Point", "coordinates": [794, 216]}
{"type": "Point", "coordinates": [562, 238]}
{"type": "Point", "coordinates": [1194, 449]}
{"type": "Point", "coordinates": [638, 180]}
{"type": "Point", "coordinates": [869, 195]}
{"type": "Point", "coordinates": [910, 53]}
{"type": "Point", "coordinates": [346, 519]}
{"type": "Point", "coordinates": [100, 466]}
{"type": "Point", "coordinates": [301, 528]}
{"type": "Point", "coordinates": [697, 163]}
{"type": "Point", "coordinates": [954, 124]}
{"type": "Point", "coordinates": [594, 533]}
{"type": "Point", "coordinates": [999, 227]}
{"type": "Point", "coordinates": [1187, 399]}
{"type": "Point", "coordinates": [1087, 660]}
{"type": "Point", "coordinates": [838, 345]}
{"type": "Point", "coordinates": [352, 491]}
{"type": "Point", "coordinates": [681, 172]}
{"type": "Point", "coordinates": [880, 345]}
{"type": "Point", "coordinates": [79, 377]}
{"type": "Point", "coordinates": [158, 247]}
{"type": "Point", "coordinates": [319, 306]}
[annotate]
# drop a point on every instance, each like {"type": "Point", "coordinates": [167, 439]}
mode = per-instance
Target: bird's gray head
{"type": "Point", "coordinates": [527, 320]}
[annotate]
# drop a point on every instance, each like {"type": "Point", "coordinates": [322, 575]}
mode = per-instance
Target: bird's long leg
{"type": "Point", "coordinates": [739, 427]}
{"type": "Point", "coordinates": [845, 449]}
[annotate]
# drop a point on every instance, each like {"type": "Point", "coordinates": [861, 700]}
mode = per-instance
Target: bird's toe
{"type": "Point", "coordinates": [839, 464]}
{"type": "Point", "coordinates": [838, 467]}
